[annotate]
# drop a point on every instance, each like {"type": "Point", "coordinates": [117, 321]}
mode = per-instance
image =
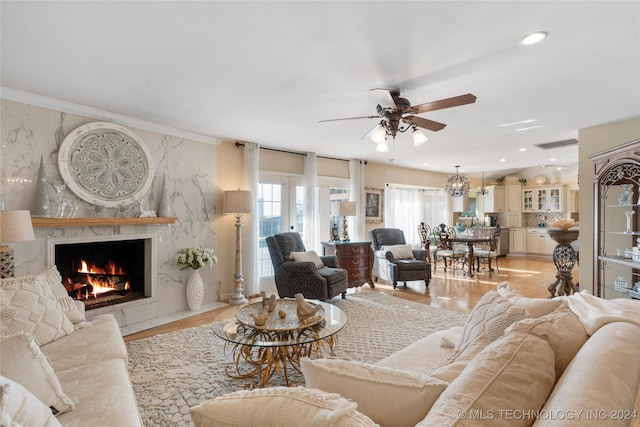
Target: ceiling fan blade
{"type": "Point", "coordinates": [350, 118]}
{"type": "Point", "coordinates": [368, 134]}
{"type": "Point", "coordinates": [444, 103]}
{"type": "Point", "coordinates": [424, 123]}
{"type": "Point", "coordinates": [385, 99]}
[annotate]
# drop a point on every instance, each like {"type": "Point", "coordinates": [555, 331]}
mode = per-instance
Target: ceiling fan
{"type": "Point", "coordinates": [398, 115]}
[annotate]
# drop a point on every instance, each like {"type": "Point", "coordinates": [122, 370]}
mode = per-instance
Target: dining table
{"type": "Point", "coordinates": [471, 240]}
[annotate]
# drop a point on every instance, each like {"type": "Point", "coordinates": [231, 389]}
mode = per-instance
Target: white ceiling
{"type": "Point", "coordinates": [267, 71]}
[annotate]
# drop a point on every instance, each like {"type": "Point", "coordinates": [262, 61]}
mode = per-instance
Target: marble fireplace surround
{"type": "Point", "coordinates": [150, 266]}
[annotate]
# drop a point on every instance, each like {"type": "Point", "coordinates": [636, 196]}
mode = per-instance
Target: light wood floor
{"type": "Point", "coordinates": [451, 291]}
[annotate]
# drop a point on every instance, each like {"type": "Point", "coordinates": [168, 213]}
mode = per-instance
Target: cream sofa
{"type": "Point", "coordinates": [53, 358]}
{"type": "Point", "coordinates": [570, 361]}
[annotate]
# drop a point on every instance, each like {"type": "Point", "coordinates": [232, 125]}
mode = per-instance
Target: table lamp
{"type": "Point", "coordinates": [238, 202]}
{"type": "Point", "coordinates": [344, 209]}
{"type": "Point", "coordinates": [15, 226]}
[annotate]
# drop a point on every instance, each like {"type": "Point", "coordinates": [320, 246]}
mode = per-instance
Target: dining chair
{"type": "Point", "coordinates": [487, 252]}
{"type": "Point", "coordinates": [447, 249]}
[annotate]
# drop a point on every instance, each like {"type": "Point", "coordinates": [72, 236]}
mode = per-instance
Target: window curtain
{"type": "Point", "coordinates": [311, 220]}
{"type": "Point", "coordinates": [406, 207]}
{"type": "Point", "coordinates": [250, 226]}
{"type": "Point", "coordinates": [357, 194]}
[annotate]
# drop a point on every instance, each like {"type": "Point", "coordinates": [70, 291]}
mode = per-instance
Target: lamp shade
{"type": "Point", "coordinates": [343, 209]}
{"type": "Point", "coordinates": [238, 202]}
{"type": "Point", "coordinates": [15, 226]}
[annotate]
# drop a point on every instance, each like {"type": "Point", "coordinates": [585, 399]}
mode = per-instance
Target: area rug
{"type": "Point", "coordinates": [174, 371]}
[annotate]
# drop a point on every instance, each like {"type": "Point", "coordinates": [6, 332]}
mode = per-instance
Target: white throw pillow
{"type": "Point", "coordinates": [28, 305]}
{"type": "Point", "coordinates": [399, 251]}
{"type": "Point", "coordinates": [71, 309]}
{"type": "Point", "coordinates": [491, 316]}
{"type": "Point", "coordinates": [509, 379]}
{"type": "Point", "coordinates": [309, 256]}
{"type": "Point", "coordinates": [451, 368]}
{"type": "Point", "coordinates": [563, 331]}
{"type": "Point", "coordinates": [279, 406]}
{"type": "Point", "coordinates": [375, 389]}
{"type": "Point", "coordinates": [24, 363]}
{"type": "Point", "coordinates": [537, 307]}
{"type": "Point", "coordinates": [21, 408]}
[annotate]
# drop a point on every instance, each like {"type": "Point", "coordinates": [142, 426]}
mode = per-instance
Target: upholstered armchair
{"type": "Point", "coordinates": [297, 270]}
{"type": "Point", "coordinates": [396, 261]}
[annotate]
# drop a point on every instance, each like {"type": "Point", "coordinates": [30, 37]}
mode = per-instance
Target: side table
{"type": "Point", "coordinates": [356, 258]}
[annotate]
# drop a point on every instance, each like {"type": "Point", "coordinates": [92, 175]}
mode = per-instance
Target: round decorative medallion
{"type": "Point", "coordinates": [105, 164]}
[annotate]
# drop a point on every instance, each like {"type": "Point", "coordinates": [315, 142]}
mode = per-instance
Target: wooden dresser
{"type": "Point", "coordinates": [356, 258]}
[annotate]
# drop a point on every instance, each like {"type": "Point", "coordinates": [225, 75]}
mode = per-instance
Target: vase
{"type": "Point", "coordinates": [195, 290]}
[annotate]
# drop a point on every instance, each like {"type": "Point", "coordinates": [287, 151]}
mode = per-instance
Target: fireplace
{"type": "Point", "coordinates": [105, 270]}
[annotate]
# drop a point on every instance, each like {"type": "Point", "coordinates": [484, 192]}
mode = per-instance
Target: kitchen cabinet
{"type": "Point", "coordinates": [517, 240]}
{"type": "Point", "coordinates": [460, 204]}
{"type": "Point", "coordinates": [539, 242]}
{"type": "Point", "coordinates": [543, 199]}
{"type": "Point", "coordinates": [513, 206]}
{"type": "Point", "coordinates": [494, 199]}
{"type": "Point", "coordinates": [616, 184]}
{"type": "Point", "coordinates": [573, 201]}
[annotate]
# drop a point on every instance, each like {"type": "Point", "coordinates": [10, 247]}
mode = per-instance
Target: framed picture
{"type": "Point", "coordinates": [374, 205]}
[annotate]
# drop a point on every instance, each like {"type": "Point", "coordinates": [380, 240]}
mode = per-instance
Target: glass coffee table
{"type": "Point", "coordinates": [261, 351]}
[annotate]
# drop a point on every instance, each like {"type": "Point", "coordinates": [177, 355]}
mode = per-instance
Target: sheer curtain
{"type": "Point", "coordinates": [406, 207]}
{"type": "Point", "coordinates": [311, 222]}
{"type": "Point", "coordinates": [356, 191]}
{"type": "Point", "coordinates": [251, 161]}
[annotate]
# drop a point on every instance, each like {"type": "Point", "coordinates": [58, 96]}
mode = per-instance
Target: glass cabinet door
{"type": "Point", "coordinates": [554, 199]}
{"type": "Point", "coordinates": [541, 197]}
{"type": "Point", "coordinates": [527, 200]}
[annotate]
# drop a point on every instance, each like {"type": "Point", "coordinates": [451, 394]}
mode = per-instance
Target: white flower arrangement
{"type": "Point", "coordinates": [196, 258]}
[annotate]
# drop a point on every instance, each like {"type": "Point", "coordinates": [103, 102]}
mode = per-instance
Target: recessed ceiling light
{"type": "Point", "coordinates": [503, 160]}
{"type": "Point", "coordinates": [533, 38]}
{"type": "Point", "coordinates": [518, 122]}
{"type": "Point", "coordinates": [523, 149]}
{"type": "Point", "coordinates": [553, 160]}
{"type": "Point", "coordinates": [527, 128]}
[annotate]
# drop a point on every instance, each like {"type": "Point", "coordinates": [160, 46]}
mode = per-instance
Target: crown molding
{"type": "Point", "coordinates": [94, 113]}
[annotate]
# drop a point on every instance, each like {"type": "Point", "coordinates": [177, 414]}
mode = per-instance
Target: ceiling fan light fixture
{"type": "Point", "coordinates": [533, 38]}
{"type": "Point", "coordinates": [419, 137]}
{"type": "Point", "coordinates": [379, 134]}
{"type": "Point", "coordinates": [382, 147]}
{"type": "Point", "coordinates": [457, 185]}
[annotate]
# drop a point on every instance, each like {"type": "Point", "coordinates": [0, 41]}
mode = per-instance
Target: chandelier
{"type": "Point", "coordinates": [483, 190]}
{"type": "Point", "coordinates": [391, 128]}
{"type": "Point", "coordinates": [457, 185]}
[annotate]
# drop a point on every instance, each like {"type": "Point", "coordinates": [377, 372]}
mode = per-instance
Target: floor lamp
{"type": "Point", "coordinates": [15, 226]}
{"type": "Point", "coordinates": [238, 202]}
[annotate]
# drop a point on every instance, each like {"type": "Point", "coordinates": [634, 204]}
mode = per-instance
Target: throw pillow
{"type": "Point", "coordinates": [513, 375]}
{"type": "Point", "coordinates": [451, 368]}
{"type": "Point", "coordinates": [279, 406]}
{"type": "Point", "coordinates": [563, 331]}
{"type": "Point", "coordinates": [28, 305]}
{"type": "Point", "coordinates": [71, 309]}
{"type": "Point", "coordinates": [24, 363]}
{"type": "Point", "coordinates": [537, 307]}
{"type": "Point", "coordinates": [51, 277]}
{"type": "Point", "coordinates": [491, 316]}
{"type": "Point", "coordinates": [375, 389]}
{"type": "Point", "coordinates": [21, 408]}
{"type": "Point", "coordinates": [399, 251]}
{"type": "Point", "coordinates": [308, 256]}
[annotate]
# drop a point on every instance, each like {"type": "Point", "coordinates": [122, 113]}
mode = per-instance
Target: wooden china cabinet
{"type": "Point", "coordinates": [356, 258]}
{"type": "Point", "coordinates": [616, 191]}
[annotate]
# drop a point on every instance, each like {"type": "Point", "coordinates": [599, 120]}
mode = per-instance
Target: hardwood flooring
{"type": "Point", "coordinates": [447, 290]}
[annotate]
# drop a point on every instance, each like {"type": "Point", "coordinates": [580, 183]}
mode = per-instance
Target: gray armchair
{"type": "Point", "coordinates": [304, 277]}
{"type": "Point", "coordinates": [386, 266]}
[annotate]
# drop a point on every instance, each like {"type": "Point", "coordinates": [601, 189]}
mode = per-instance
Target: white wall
{"type": "Point", "coordinates": [29, 132]}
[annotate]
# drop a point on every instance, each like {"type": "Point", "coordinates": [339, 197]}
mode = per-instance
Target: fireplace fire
{"type": "Point", "coordinates": [103, 273]}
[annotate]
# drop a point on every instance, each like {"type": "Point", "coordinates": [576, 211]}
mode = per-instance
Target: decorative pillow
{"type": "Point", "coordinates": [375, 389]}
{"type": "Point", "coordinates": [71, 309]}
{"type": "Point", "coordinates": [563, 331]}
{"type": "Point", "coordinates": [24, 363]}
{"type": "Point", "coordinates": [513, 375]}
{"type": "Point", "coordinates": [309, 256]}
{"type": "Point", "coordinates": [491, 316]}
{"type": "Point", "coordinates": [21, 408]}
{"type": "Point", "coordinates": [51, 276]}
{"type": "Point", "coordinates": [278, 406]}
{"type": "Point", "coordinates": [537, 307]}
{"type": "Point", "coordinates": [453, 366]}
{"type": "Point", "coordinates": [399, 251]}
{"type": "Point", "coordinates": [28, 305]}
